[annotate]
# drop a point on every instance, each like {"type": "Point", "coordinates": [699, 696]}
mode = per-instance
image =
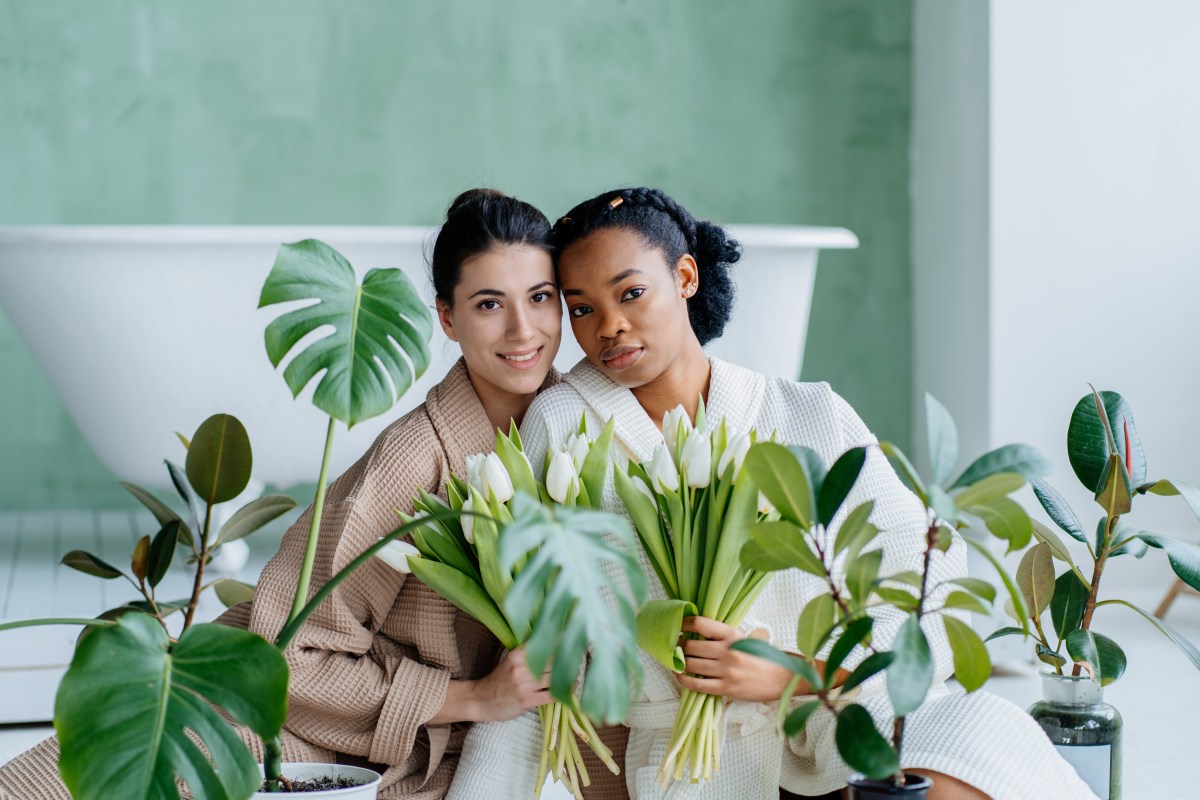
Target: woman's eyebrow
{"type": "Point", "coordinates": [488, 292]}
{"type": "Point", "coordinates": [542, 285]}
{"type": "Point", "coordinates": [613, 281]}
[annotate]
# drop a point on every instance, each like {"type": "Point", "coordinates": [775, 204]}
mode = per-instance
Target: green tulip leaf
{"type": "Point", "coordinates": [219, 461]}
{"type": "Point", "coordinates": [466, 594]}
{"type": "Point", "coordinates": [379, 345]}
{"type": "Point", "coordinates": [596, 464]}
{"type": "Point", "coordinates": [659, 626]}
{"type": "Point", "coordinates": [130, 698]}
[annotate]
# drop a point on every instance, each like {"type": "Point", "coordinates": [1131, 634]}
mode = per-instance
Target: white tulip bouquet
{"type": "Point", "coordinates": [692, 505]}
{"type": "Point", "coordinates": [539, 583]}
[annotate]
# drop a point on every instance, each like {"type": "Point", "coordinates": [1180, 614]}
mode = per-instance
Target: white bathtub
{"type": "Point", "coordinates": [144, 331]}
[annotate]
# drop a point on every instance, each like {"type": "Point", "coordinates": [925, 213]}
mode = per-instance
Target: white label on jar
{"type": "Point", "coordinates": [1093, 763]}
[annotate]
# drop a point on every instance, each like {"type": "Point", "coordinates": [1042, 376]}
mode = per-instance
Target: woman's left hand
{"type": "Point", "coordinates": [713, 668]}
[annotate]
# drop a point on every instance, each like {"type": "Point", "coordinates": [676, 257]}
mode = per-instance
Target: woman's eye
{"type": "Point", "coordinates": [633, 293]}
{"type": "Point", "coordinates": [540, 297]}
{"type": "Point", "coordinates": [489, 305]}
{"type": "Point", "coordinates": [579, 311]}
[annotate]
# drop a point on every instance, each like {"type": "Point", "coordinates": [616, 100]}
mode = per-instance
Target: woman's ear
{"type": "Point", "coordinates": [443, 312]}
{"type": "Point", "coordinates": [687, 275]}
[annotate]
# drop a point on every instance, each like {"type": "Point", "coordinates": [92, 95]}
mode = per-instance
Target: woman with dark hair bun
{"type": "Point", "coordinates": [386, 673]}
{"type": "Point", "coordinates": [646, 284]}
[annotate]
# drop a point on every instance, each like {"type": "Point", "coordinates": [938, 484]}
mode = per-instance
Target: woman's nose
{"type": "Point", "coordinates": [611, 325]}
{"type": "Point", "coordinates": [520, 327]}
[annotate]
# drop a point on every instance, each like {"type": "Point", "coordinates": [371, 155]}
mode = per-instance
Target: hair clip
{"type": "Point", "coordinates": [616, 201]}
{"type": "Point", "coordinates": [564, 221]}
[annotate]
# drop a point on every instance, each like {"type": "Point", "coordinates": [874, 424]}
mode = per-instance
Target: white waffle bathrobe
{"type": "Point", "coordinates": [979, 738]}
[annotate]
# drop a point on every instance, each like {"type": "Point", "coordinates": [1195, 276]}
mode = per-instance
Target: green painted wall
{"type": "Point", "coordinates": [373, 112]}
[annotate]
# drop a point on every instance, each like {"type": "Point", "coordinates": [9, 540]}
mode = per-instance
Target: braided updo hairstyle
{"type": "Point", "coordinates": [664, 224]}
{"type": "Point", "coordinates": [477, 221]}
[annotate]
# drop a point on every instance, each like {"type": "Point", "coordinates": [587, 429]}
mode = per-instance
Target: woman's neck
{"type": "Point", "coordinates": [683, 383]}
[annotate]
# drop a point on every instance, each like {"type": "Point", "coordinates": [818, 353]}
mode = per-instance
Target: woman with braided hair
{"type": "Point", "coordinates": [646, 285]}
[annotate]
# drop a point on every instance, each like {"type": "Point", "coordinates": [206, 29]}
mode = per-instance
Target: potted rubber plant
{"type": "Point", "coordinates": [1107, 457]}
{"type": "Point", "coordinates": [838, 654]}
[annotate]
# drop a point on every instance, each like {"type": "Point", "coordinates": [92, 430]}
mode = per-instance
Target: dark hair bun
{"type": "Point", "coordinates": [710, 308]}
{"type": "Point", "coordinates": [471, 197]}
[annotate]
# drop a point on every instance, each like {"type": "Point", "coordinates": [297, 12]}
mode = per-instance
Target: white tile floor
{"type": "Point", "coordinates": [1157, 696]}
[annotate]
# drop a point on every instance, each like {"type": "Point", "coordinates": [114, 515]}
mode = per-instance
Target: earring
{"type": "Point", "coordinates": [689, 290]}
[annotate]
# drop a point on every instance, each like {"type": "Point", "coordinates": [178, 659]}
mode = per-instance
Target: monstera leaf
{"type": "Point", "coordinates": [567, 597]}
{"type": "Point", "coordinates": [130, 696]}
{"type": "Point", "coordinates": [380, 340]}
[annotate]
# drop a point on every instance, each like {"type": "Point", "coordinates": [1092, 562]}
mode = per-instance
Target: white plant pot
{"type": "Point", "coordinates": [301, 771]}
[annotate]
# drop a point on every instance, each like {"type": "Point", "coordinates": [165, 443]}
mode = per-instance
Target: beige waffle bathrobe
{"type": "Point", "coordinates": [979, 738]}
{"type": "Point", "coordinates": [371, 666]}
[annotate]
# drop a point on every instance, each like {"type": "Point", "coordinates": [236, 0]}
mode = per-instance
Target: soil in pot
{"type": "Point", "coordinates": [916, 787]}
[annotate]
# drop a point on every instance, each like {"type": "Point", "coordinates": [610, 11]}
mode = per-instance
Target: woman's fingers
{"type": "Point", "coordinates": [707, 685]}
{"type": "Point", "coordinates": [703, 648]}
{"type": "Point", "coordinates": [709, 628]}
{"type": "Point", "coordinates": [705, 667]}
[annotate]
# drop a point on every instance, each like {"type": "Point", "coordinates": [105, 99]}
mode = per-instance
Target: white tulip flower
{"type": "Point", "coordinates": [396, 554]}
{"type": "Point", "coordinates": [495, 479]}
{"type": "Point", "coordinates": [475, 471]}
{"type": "Point", "coordinates": [675, 421]}
{"type": "Point", "coordinates": [578, 446]}
{"type": "Point", "coordinates": [562, 481]}
{"type": "Point", "coordinates": [696, 461]}
{"type": "Point", "coordinates": [663, 472]}
{"type": "Point", "coordinates": [764, 505]}
{"type": "Point", "coordinates": [468, 520]}
{"type": "Point", "coordinates": [734, 454]}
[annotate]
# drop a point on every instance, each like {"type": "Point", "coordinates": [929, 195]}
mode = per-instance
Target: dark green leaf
{"type": "Point", "coordinates": [162, 513]}
{"type": "Point", "coordinates": [868, 668]}
{"type": "Point", "coordinates": [194, 504]}
{"type": "Point", "coordinates": [942, 436]}
{"type": "Point", "coordinates": [1112, 658]}
{"type": "Point", "coordinates": [1182, 643]}
{"type": "Point", "coordinates": [1184, 557]}
{"type": "Point", "coordinates": [861, 575]}
{"type": "Point", "coordinates": [1081, 645]}
{"type": "Point", "coordinates": [856, 531]}
{"type": "Point", "coordinates": [900, 598]}
{"type": "Point", "coordinates": [855, 634]}
{"type": "Point", "coordinates": [1058, 509]}
{"type": "Point", "coordinates": [231, 592]}
{"type": "Point", "coordinates": [129, 700]}
{"type": "Point", "coordinates": [1167, 488]}
{"type": "Point", "coordinates": [1067, 604]}
{"type": "Point", "coordinates": [254, 515]}
{"type": "Point", "coordinates": [906, 470]}
{"type": "Point", "coordinates": [162, 550]}
{"type": "Point", "coordinates": [911, 673]}
{"type": "Point", "coordinates": [972, 665]}
{"type": "Point", "coordinates": [780, 475]}
{"type": "Point", "coordinates": [1088, 445]}
{"type": "Point", "coordinates": [380, 340]}
{"type": "Point", "coordinates": [1048, 656]}
{"type": "Point", "coordinates": [838, 483]}
{"type": "Point", "coordinates": [778, 545]}
{"type": "Point", "coordinates": [798, 666]}
{"type": "Point", "coordinates": [1022, 459]}
{"type": "Point", "coordinates": [1000, 632]}
{"type": "Point", "coordinates": [90, 564]}
{"type": "Point", "coordinates": [861, 744]}
{"type": "Point", "coordinates": [816, 620]}
{"type": "Point", "coordinates": [1130, 541]}
{"type": "Point", "coordinates": [797, 718]}
{"type": "Point", "coordinates": [1006, 520]}
{"type": "Point", "coordinates": [219, 461]}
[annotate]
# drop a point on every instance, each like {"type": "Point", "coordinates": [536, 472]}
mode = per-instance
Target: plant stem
{"type": "Point", "coordinates": [200, 564]}
{"type": "Point", "coordinates": [1090, 607]}
{"type": "Point", "coordinates": [30, 623]}
{"type": "Point", "coordinates": [898, 722]}
{"type": "Point", "coordinates": [273, 763]}
{"type": "Point", "coordinates": [310, 552]}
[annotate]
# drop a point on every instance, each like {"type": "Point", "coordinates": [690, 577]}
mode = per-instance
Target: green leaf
{"type": "Point", "coordinates": [572, 555]}
{"type": "Point", "coordinates": [942, 436]}
{"type": "Point", "coordinates": [219, 461]}
{"type": "Point", "coordinates": [465, 594]}
{"type": "Point", "coordinates": [1112, 658]}
{"type": "Point", "coordinates": [1184, 557]}
{"type": "Point", "coordinates": [942, 504]}
{"type": "Point", "coordinates": [906, 470]}
{"type": "Point", "coordinates": [1022, 459]}
{"type": "Point", "coordinates": [161, 511]}
{"type": "Point", "coordinates": [129, 700]}
{"type": "Point", "coordinates": [978, 587]}
{"type": "Point", "coordinates": [838, 483]}
{"type": "Point", "coordinates": [780, 475]}
{"type": "Point", "coordinates": [1190, 494]}
{"type": "Point", "coordinates": [1048, 656]}
{"type": "Point", "coordinates": [1081, 645]}
{"type": "Point", "coordinates": [1059, 510]}
{"type": "Point", "coordinates": [1177, 638]}
{"type": "Point", "coordinates": [140, 558]}
{"type": "Point", "coordinates": [797, 718]}
{"type": "Point", "coordinates": [1115, 494]}
{"type": "Point", "coordinates": [191, 502]}
{"type": "Point", "coordinates": [1131, 543]}
{"type": "Point", "coordinates": [816, 620]}
{"type": "Point", "coordinates": [380, 340]}
{"type": "Point", "coordinates": [1049, 538]}
{"type": "Point", "coordinates": [162, 550]}
{"type": "Point", "coordinates": [1006, 520]}
{"type": "Point", "coordinates": [911, 673]}
{"type": "Point", "coordinates": [1068, 604]}
{"type": "Point", "coordinates": [965, 601]}
{"type": "Point", "coordinates": [861, 575]}
{"type": "Point", "coordinates": [231, 592]}
{"type": "Point", "coordinates": [993, 487]}
{"type": "Point", "coordinates": [1015, 596]}
{"type": "Point", "coordinates": [1035, 577]}
{"type": "Point", "coordinates": [855, 634]}
{"type": "Point", "coordinates": [779, 545]}
{"type": "Point", "coordinates": [972, 665]}
{"type": "Point", "coordinates": [868, 668]}
{"type": "Point", "coordinates": [861, 744]}
{"type": "Point", "coordinates": [596, 464]}
{"type": "Point", "coordinates": [92, 565]}
{"type": "Point", "coordinates": [900, 598]}
{"type": "Point", "coordinates": [856, 531]}
{"type": "Point", "coordinates": [1088, 444]}
{"type": "Point", "coordinates": [251, 517]}
{"type": "Point", "coordinates": [1001, 632]}
{"type": "Point", "coordinates": [761, 649]}
{"type": "Point", "coordinates": [659, 626]}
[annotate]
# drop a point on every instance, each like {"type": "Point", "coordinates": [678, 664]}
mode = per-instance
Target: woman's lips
{"type": "Point", "coordinates": [621, 357]}
{"type": "Point", "coordinates": [524, 359]}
